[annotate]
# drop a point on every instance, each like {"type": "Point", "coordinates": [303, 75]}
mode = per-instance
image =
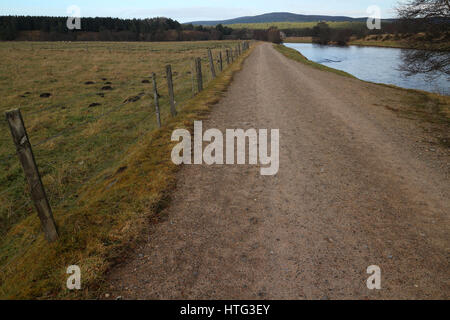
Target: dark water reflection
{"type": "Point", "coordinates": [371, 64]}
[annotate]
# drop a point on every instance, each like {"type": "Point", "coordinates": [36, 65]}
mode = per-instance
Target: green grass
{"type": "Point", "coordinates": [297, 56]}
{"type": "Point", "coordinates": [105, 177]}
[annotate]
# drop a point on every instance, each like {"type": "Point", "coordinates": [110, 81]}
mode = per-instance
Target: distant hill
{"type": "Point", "coordinates": [279, 17]}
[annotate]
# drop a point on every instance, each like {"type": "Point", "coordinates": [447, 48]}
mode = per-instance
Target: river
{"type": "Point", "coordinates": [373, 64]}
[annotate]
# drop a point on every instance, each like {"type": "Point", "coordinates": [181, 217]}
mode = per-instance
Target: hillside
{"type": "Point", "coordinates": [279, 17]}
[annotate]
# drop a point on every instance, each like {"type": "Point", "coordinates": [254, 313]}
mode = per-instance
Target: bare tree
{"type": "Point", "coordinates": [426, 9]}
{"type": "Point", "coordinates": [432, 54]}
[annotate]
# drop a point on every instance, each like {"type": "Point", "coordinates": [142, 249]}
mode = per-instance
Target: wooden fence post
{"type": "Point", "coordinates": [211, 64]}
{"type": "Point", "coordinates": [198, 68]}
{"type": "Point", "coordinates": [193, 77]}
{"type": "Point", "coordinates": [239, 48]}
{"type": "Point", "coordinates": [220, 61]}
{"type": "Point", "coordinates": [232, 55]}
{"type": "Point", "coordinates": [156, 96]}
{"type": "Point", "coordinates": [228, 57]}
{"type": "Point", "coordinates": [26, 157]}
{"type": "Point", "coordinates": [173, 110]}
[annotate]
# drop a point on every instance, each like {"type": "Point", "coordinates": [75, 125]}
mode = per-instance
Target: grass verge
{"type": "Point", "coordinates": [430, 107]}
{"type": "Point", "coordinates": [112, 211]}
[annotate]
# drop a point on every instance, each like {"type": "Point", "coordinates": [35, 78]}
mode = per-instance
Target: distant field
{"type": "Point", "coordinates": [385, 40]}
{"type": "Point", "coordinates": [298, 40]}
{"type": "Point", "coordinates": [400, 41]}
{"type": "Point", "coordinates": [96, 126]}
{"type": "Point", "coordinates": [297, 25]}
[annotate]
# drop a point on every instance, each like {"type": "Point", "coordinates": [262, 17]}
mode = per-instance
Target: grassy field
{"type": "Point", "coordinates": [416, 41]}
{"type": "Point", "coordinates": [103, 141]}
{"type": "Point", "coordinates": [297, 25]}
{"type": "Point", "coordinates": [74, 74]}
{"type": "Point", "coordinates": [356, 42]}
{"type": "Point", "coordinates": [298, 40]}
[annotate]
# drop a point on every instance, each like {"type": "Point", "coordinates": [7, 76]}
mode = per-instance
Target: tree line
{"type": "Point", "coordinates": [434, 17]}
{"type": "Point", "coordinates": [322, 33]}
{"type": "Point", "coordinates": [36, 28]}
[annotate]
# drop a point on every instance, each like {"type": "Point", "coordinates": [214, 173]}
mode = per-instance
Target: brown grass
{"type": "Point", "coordinates": [108, 214]}
{"type": "Point", "coordinates": [298, 40]}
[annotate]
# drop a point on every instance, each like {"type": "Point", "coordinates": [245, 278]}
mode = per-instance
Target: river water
{"type": "Point", "coordinates": [373, 64]}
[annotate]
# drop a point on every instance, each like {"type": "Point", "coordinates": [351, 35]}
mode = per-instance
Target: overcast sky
{"type": "Point", "coordinates": [191, 10]}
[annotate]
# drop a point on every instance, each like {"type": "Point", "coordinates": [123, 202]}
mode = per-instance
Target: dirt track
{"type": "Point", "coordinates": [356, 187]}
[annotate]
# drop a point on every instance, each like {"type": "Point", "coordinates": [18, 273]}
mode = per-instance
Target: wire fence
{"type": "Point", "coordinates": [15, 200]}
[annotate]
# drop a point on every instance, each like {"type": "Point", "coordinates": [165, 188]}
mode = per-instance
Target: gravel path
{"type": "Point", "coordinates": [357, 186]}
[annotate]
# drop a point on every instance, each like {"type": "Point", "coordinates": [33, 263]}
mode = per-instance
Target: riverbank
{"type": "Point", "coordinates": [381, 44]}
{"type": "Point", "coordinates": [378, 65]}
{"type": "Point", "coordinates": [384, 41]}
{"type": "Point", "coordinates": [399, 44]}
{"type": "Point", "coordinates": [418, 104]}
{"type": "Point", "coordinates": [297, 56]}
{"type": "Point", "coordinates": [356, 42]}
{"type": "Point", "coordinates": [298, 40]}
